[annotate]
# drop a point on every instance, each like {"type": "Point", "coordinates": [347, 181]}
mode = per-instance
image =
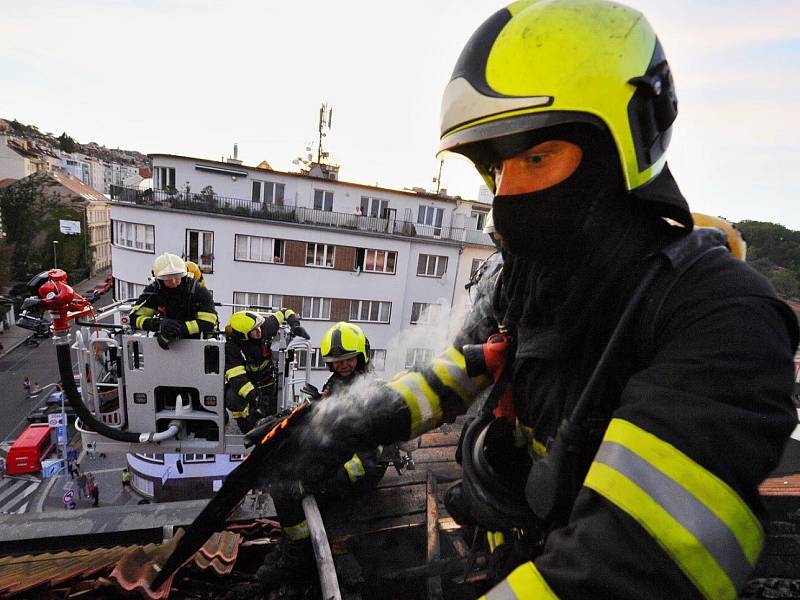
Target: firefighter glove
{"type": "Point", "coordinates": [163, 342]}
{"type": "Point", "coordinates": [296, 328]}
{"type": "Point", "coordinates": [171, 328]}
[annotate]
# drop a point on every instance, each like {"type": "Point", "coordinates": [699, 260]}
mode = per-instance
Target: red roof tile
{"type": "Point", "coordinates": [787, 485]}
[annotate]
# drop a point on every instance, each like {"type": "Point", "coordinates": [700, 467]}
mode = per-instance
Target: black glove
{"type": "Point", "coordinates": [300, 332]}
{"type": "Point", "coordinates": [296, 328]}
{"type": "Point", "coordinates": [163, 342]}
{"type": "Point", "coordinates": [171, 328]}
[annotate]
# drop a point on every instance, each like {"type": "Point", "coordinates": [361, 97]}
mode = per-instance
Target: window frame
{"type": "Point", "coordinates": [202, 236]}
{"type": "Point", "coordinates": [374, 207]}
{"type": "Point", "coordinates": [273, 186]}
{"type": "Point", "coordinates": [196, 461]}
{"type": "Point", "coordinates": [309, 315]}
{"type": "Point", "coordinates": [426, 355]}
{"type": "Point", "coordinates": [360, 309]}
{"type": "Point", "coordinates": [326, 247]}
{"type": "Point", "coordinates": [158, 176]}
{"type": "Point", "coordinates": [373, 354]}
{"type": "Point", "coordinates": [281, 255]}
{"type": "Point", "coordinates": [436, 265]}
{"type": "Point", "coordinates": [325, 195]}
{"type": "Point", "coordinates": [242, 306]}
{"type": "Point", "coordinates": [115, 233]}
{"type": "Point", "coordinates": [364, 253]}
{"type": "Point", "coordinates": [431, 310]}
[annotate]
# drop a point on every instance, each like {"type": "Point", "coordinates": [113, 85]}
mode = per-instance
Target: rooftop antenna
{"type": "Point", "coordinates": [325, 118]}
{"type": "Point", "coordinates": [438, 178]}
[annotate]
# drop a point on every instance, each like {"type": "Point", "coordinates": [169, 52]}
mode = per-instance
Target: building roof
{"type": "Point", "coordinates": [6, 182]}
{"type": "Point", "coordinates": [78, 187]}
{"type": "Point", "coordinates": [260, 170]}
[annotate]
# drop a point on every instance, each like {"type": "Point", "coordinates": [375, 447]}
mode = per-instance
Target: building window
{"type": "Point", "coordinates": [377, 358]}
{"type": "Point", "coordinates": [418, 357]}
{"type": "Point", "coordinates": [422, 312]}
{"type": "Point", "coordinates": [258, 249]}
{"type": "Point", "coordinates": [142, 485]}
{"type": "Point", "coordinates": [374, 207]}
{"type": "Point", "coordinates": [375, 261]}
{"type": "Point", "coordinates": [316, 308]}
{"type": "Point", "coordinates": [319, 255]}
{"type": "Point", "coordinates": [198, 458]}
{"type": "Point", "coordinates": [164, 178]}
{"type": "Point", "coordinates": [480, 215]}
{"type": "Point", "coordinates": [268, 191]}
{"type": "Point", "coordinates": [373, 311]}
{"type": "Point", "coordinates": [431, 216]}
{"type": "Point", "coordinates": [200, 249]}
{"type": "Point", "coordinates": [429, 265]}
{"type": "Point", "coordinates": [125, 290]}
{"type": "Point", "coordinates": [151, 457]}
{"type": "Point", "coordinates": [236, 457]}
{"type": "Point", "coordinates": [323, 200]}
{"type": "Point", "coordinates": [316, 359]}
{"type": "Point", "coordinates": [476, 264]}
{"type": "Point", "coordinates": [257, 300]}
{"type": "Point", "coordinates": [134, 235]}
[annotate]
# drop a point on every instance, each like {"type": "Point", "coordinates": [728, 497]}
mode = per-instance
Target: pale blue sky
{"type": "Point", "coordinates": [188, 77]}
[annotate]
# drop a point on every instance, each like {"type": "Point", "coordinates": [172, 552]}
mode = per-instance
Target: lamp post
{"type": "Point", "coordinates": [55, 261]}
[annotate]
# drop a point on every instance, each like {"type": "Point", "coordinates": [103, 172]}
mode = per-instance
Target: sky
{"type": "Point", "coordinates": [193, 78]}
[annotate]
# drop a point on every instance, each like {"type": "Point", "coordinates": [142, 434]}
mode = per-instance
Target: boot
{"type": "Point", "coordinates": [291, 562]}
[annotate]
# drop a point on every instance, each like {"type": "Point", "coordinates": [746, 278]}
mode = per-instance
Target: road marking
{"type": "Point", "coordinates": [10, 489]}
{"type": "Point", "coordinates": [22, 509]}
{"type": "Point", "coordinates": [17, 499]}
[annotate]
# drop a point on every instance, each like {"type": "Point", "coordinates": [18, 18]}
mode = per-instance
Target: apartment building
{"type": "Point", "coordinates": [393, 261]}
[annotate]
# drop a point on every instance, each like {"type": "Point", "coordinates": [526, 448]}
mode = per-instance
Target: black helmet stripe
{"type": "Point", "coordinates": [471, 65]}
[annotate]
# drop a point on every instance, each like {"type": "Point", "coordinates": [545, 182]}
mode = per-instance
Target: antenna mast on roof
{"type": "Point", "coordinates": [325, 117]}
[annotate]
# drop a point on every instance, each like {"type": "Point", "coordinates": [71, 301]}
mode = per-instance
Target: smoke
{"type": "Point", "coordinates": [347, 421]}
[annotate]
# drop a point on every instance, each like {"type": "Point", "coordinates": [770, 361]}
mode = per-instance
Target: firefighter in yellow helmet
{"type": "Point", "coordinates": [345, 349]}
{"type": "Point", "coordinates": [195, 272]}
{"type": "Point", "coordinates": [174, 306]}
{"type": "Point", "coordinates": [641, 402]}
{"type": "Point", "coordinates": [250, 376]}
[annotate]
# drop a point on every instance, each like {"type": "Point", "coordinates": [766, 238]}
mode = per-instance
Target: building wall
{"type": "Point", "coordinates": [98, 224]}
{"type": "Point", "coordinates": [12, 164]}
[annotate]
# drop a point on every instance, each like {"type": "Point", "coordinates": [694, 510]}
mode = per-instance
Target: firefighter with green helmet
{"type": "Point", "coordinates": [646, 379]}
{"type": "Point", "coordinates": [345, 349]}
{"type": "Point", "coordinates": [174, 306]}
{"type": "Point", "coordinates": [250, 375]}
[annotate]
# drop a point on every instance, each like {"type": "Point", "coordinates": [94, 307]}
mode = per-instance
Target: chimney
{"type": "Point", "coordinates": [235, 159]}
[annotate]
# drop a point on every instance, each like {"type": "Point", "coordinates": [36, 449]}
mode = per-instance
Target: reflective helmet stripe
{"type": "Point", "coordinates": [422, 401]}
{"type": "Point", "coordinates": [355, 468]}
{"type": "Point", "coordinates": [524, 582]}
{"type": "Point", "coordinates": [702, 524]}
{"type": "Point", "coordinates": [298, 532]}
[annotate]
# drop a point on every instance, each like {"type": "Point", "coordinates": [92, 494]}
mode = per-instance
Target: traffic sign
{"type": "Point", "coordinates": [61, 434]}
{"type": "Point", "coordinates": [56, 419]}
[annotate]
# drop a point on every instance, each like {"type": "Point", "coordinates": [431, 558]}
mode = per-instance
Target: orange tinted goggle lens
{"type": "Point", "coordinates": [538, 168]}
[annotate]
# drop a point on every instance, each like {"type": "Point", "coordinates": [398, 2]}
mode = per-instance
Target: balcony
{"type": "Point", "coordinates": [211, 203]}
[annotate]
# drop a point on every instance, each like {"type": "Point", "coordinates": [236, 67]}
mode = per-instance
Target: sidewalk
{"type": "Point", "coordinates": [15, 336]}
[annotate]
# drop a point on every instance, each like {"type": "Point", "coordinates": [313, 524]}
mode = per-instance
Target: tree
{"type": "Point", "coordinates": [66, 143]}
{"type": "Point", "coordinates": [774, 251]}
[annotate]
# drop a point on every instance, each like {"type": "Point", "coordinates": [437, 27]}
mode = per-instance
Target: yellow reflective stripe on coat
{"type": "Point", "coordinates": [235, 372]}
{"type": "Point", "coordinates": [451, 369]}
{"type": "Point", "coordinates": [240, 414]}
{"type": "Point", "coordinates": [298, 532]}
{"type": "Point", "coordinates": [524, 583]}
{"type": "Point", "coordinates": [699, 521]}
{"type": "Point", "coordinates": [192, 327]}
{"type": "Point", "coordinates": [523, 436]}
{"type": "Point", "coordinates": [355, 468]}
{"type": "Point", "coordinates": [495, 539]}
{"type": "Point", "coordinates": [246, 389]}
{"type": "Point", "coordinates": [422, 401]}
{"type": "Point", "coordinates": [209, 317]}
{"type": "Point", "coordinates": [140, 321]}
{"type": "Point", "coordinates": [144, 311]}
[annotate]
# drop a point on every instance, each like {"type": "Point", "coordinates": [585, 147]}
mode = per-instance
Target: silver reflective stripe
{"type": "Point", "coordinates": [684, 507]}
{"type": "Point", "coordinates": [502, 591]}
{"type": "Point", "coordinates": [425, 409]}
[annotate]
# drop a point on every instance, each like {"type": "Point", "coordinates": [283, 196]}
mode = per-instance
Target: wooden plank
{"type": "Point", "coordinates": [433, 549]}
{"type": "Point", "coordinates": [431, 440]}
{"type": "Point", "coordinates": [340, 531]}
{"type": "Point", "coordinates": [429, 455]}
{"type": "Point", "coordinates": [392, 502]}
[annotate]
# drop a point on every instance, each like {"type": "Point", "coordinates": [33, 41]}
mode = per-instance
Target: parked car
{"type": "Point", "coordinates": [102, 287]}
{"type": "Point", "coordinates": [91, 296]}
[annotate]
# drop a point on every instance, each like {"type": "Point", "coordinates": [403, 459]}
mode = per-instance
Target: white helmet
{"type": "Point", "coordinates": [167, 266]}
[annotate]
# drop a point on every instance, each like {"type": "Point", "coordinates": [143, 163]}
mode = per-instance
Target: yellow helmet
{"type": "Point", "coordinates": [736, 242]}
{"type": "Point", "coordinates": [244, 321]}
{"type": "Point", "coordinates": [539, 63]}
{"type": "Point", "coordinates": [195, 272]}
{"type": "Point", "coordinates": [167, 266]}
{"type": "Point", "coordinates": [342, 341]}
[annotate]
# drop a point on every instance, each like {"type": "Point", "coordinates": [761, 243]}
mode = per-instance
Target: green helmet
{"type": "Point", "coordinates": [539, 63]}
{"type": "Point", "coordinates": [244, 321]}
{"type": "Point", "coordinates": [342, 341]}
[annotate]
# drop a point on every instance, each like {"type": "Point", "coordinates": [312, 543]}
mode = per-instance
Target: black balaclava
{"type": "Point", "coordinates": [540, 224]}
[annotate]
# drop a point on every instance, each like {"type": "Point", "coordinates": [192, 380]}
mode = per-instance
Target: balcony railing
{"type": "Point", "coordinates": [212, 203]}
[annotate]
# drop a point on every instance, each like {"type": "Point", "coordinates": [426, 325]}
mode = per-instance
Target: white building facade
{"type": "Point", "coordinates": [330, 250]}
